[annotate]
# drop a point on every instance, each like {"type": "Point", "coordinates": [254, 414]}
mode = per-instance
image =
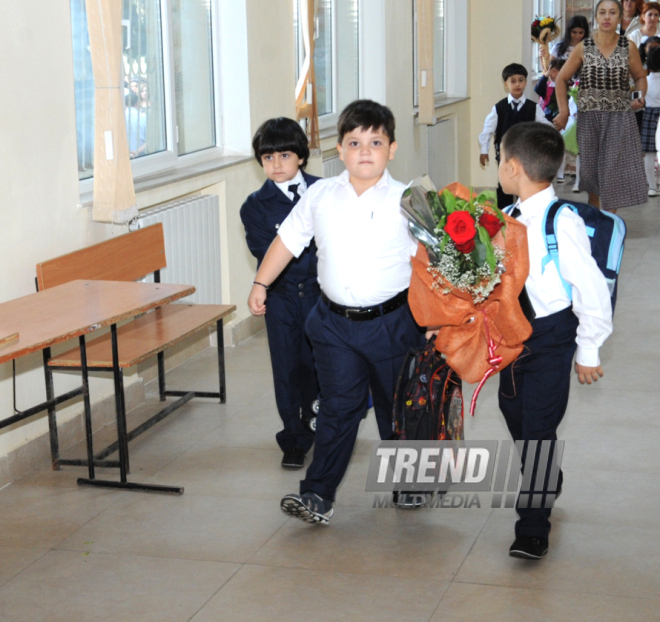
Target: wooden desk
{"type": "Point", "coordinates": [74, 310]}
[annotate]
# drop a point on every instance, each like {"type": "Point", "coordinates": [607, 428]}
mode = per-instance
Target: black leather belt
{"type": "Point", "coordinates": [362, 314]}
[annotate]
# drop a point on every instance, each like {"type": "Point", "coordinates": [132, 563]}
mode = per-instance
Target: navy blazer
{"type": "Point", "coordinates": [262, 214]}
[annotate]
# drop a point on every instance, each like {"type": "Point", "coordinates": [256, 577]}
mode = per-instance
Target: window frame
{"type": "Point", "coordinates": [442, 95]}
{"type": "Point", "coordinates": [169, 160]}
{"type": "Point", "coordinates": [328, 121]}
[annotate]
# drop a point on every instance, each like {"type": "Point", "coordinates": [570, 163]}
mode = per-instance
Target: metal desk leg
{"type": "Point", "coordinates": [122, 441]}
{"type": "Point", "coordinates": [121, 421]}
{"type": "Point", "coordinates": [88, 407]}
{"type": "Point", "coordinates": [52, 419]}
{"type": "Point", "coordinates": [221, 362]}
{"type": "Point", "coordinates": [161, 376]}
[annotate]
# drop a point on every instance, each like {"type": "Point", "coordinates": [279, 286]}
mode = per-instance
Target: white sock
{"type": "Point", "coordinates": [577, 170]}
{"type": "Point", "coordinates": [649, 167]}
{"type": "Point", "coordinates": [560, 172]}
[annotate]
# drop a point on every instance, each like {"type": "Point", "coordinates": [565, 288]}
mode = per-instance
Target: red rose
{"type": "Point", "coordinates": [466, 248]}
{"type": "Point", "coordinates": [490, 223]}
{"type": "Point", "coordinates": [460, 228]}
{"type": "Point", "coordinates": [536, 22]}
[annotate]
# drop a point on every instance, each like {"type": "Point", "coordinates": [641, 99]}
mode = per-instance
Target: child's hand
{"type": "Point", "coordinates": [560, 120]}
{"type": "Point", "coordinates": [588, 374]}
{"type": "Point", "coordinates": [483, 159]}
{"type": "Point", "coordinates": [257, 300]}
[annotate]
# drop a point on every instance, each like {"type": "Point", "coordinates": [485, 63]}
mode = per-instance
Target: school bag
{"type": "Point", "coordinates": [428, 402]}
{"type": "Point", "coordinates": [607, 235]}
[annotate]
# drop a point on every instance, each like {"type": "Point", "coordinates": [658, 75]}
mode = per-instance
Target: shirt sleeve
{"type": "Point", "coordinates": [540, 116]}
{"type": "Point", "coordinates": [490, 125]}
{"type": "Point", "coordinates": [297, 230]}
{"type": "Point", "coordinates": [591, 296]}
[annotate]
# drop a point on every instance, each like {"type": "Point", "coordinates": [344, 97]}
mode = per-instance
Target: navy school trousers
{"type": "Point", "coordinates": [533, 396]}
{"type": "Point", "coordinates": [294, 375]}
{"type": "Point", "coordinates": [351, 358]}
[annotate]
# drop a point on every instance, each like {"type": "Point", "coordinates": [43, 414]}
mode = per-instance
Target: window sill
{"type": "Point", "coordinates": [164, 178]}
{"type": "Point", "coordinates": [445, 101]}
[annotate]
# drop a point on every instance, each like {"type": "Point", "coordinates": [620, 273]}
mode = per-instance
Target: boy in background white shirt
{"type": "Point", "coordinates": [362, 327]}
{"type": "Point", "coordinates": [533, 392]}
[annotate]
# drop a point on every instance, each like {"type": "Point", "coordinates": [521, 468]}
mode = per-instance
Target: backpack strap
{"type": "Point", "coordinates": [549, 229]}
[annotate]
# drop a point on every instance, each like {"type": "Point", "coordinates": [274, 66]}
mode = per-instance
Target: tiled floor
{"type": "Point", "coordinates": [224, 552]}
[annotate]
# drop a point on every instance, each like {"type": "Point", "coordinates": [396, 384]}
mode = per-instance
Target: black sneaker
{"type": "Point", "coordinates": [309, 507]}
{"type": "Point", "coordinates": [410, 500]}
{"type": "Point", "coordinates": [293, 459]}
{"type": "Point", "coordinates": [529, 547]}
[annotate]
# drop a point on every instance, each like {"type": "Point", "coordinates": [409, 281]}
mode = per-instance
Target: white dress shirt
{"type": "Point", "coordinates": [490, 124]}
{"type": "Point", "coordinates": [591, 296]}
{"type": "Point", "coordinates": [363, 242]}
{"type": "Point", "coordinates": [298, 179]}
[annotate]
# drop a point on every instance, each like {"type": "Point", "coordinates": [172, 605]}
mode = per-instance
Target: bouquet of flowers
{"type": "Point", "coordinates": [544, 30]}
{"type": "Point", "coordinates": [470, 268]}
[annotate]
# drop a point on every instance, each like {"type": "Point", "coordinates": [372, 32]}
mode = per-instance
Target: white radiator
{"type": "Point", "coordinates": [442, 153]}
{"type": "Point", "coordinates": [192, 245]}
{"type": "Point", "coordinates": [332, 166]}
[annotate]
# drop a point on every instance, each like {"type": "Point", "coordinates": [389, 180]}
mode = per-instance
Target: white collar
{"type": "Point", "coordinates": [536, 202]}
{"type": "Point", "coordinates": [298, 179]}
{"type": "Point", "coordinates": [521, 101]}
{"type": "Point", "coordinates": [385, 179]}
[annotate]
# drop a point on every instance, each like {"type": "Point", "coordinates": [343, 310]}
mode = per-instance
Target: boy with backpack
{"type": "Point", "coordinates": [571, 299]}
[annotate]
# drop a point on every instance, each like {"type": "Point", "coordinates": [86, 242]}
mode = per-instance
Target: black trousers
{"type": "Point", "coordinates": [533, 396]}
{"type": "Point", "coordinates": [352, 357]}
{"type": "Point", "coordinates": [294, 375]}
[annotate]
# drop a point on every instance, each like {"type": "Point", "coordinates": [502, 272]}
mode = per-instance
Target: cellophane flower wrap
{"type": "Point", "coordinates": [469, 270]}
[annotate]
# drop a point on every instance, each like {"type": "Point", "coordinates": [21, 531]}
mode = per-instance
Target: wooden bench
{"type": "Point", "coordinates": [128, 258]}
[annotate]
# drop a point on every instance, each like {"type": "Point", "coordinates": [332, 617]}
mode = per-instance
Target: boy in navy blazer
{"type": "Point", "coordinates": [281, 148]}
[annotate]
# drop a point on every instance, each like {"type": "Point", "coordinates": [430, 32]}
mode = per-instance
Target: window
{"type": "Point", "coordinates": [439, 50]}
{"type": "Point", "coordinates": [336, 56]}
{"type": "Point", "coordinates": [169, 85]}
{"type": "Point", "coordinates": [579, 7]}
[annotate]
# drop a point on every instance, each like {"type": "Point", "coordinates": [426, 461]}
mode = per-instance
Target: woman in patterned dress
{"type": "Point", "coordinates": [612, 167]}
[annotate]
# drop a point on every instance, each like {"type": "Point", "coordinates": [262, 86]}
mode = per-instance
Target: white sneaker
{"type": "Point", "coordinates": [575, 188]}
{"type": "Point", "coordinates": [560, 180]}
{"type": "Point", "coordinates": [653, 193]}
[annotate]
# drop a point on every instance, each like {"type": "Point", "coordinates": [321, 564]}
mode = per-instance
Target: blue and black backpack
{"type": "Point", "coordinates": [607, 234]}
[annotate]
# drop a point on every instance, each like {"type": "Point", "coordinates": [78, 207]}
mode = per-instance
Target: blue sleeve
{"type": "Point", "coordinates": [258, 237]}
{"type": "Point", "coordinates": [540, 88]}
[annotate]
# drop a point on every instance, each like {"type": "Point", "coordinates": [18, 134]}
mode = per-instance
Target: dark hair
{"type": "Point", "coordinates": [646, 47]}
{"type": "Point", "coordinates": [514, 69]}
{"type": "Point", "coordinates": [131, 100]}
{"type": "Point", "coordinates": [577, 21]}
{"type": "Point", "coordinates": [653, 60]}
{"type": "Point", "coordinates": [281, 134]}
{"type": "Point", "coordinates": [557, 64]}
{"type": "Point", "coordinates": [538, 147]}
{"type": "Point", "coordinates": [368, 115]}
{"type": "Point", "coordinates": [617, 2]}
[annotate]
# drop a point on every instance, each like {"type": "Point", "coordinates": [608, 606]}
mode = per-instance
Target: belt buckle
{"type": "Point", "coordinates": [353, 313]}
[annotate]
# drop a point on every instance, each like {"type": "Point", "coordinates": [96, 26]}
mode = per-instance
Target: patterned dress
{"type": "Point", "coordinates": [612, 163]}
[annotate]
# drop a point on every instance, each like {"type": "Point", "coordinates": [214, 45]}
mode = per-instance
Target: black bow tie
{"type": "Point", "coordinates": [293, 189]}
{"type": "Point", "coordinates": [515, 212]}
